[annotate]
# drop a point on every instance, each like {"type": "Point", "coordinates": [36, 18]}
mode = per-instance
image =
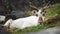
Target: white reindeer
{"type": "Point", "coordinates": [26, 22]}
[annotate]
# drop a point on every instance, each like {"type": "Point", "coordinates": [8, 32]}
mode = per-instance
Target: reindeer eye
{"type": "Point", "coordinates": [36, 14]}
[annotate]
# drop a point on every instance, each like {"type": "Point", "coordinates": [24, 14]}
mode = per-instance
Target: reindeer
{"type": "Point", "coordinates": [25, 22]}
{"type": "Point", "coordinates": [22, 23]}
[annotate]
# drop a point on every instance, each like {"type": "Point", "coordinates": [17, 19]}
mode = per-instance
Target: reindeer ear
{"type": "Point", "coordinates": [34, 11]}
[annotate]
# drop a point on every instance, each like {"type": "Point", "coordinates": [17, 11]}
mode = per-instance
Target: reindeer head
{"type": "Point", "coordinates": [39, 12]}
{"type": "Point", "coordinates": [36, 12]}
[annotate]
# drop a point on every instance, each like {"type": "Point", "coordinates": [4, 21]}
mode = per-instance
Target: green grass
{"type": "Point", "coordinates": [53, 9]}
{"type": "Point", "coordinates": [35, 28]}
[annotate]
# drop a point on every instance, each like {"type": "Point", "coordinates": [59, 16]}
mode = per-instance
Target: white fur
{"type": "Point", "coordinates": [8, 23]}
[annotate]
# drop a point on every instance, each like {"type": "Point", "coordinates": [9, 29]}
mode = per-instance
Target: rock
{"type": "Point", "coordinates": [47, 31]}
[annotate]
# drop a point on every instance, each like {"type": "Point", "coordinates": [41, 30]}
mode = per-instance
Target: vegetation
{"type": "Point", "coordinates": [35, 28]}
{"type": "Point", "coordinates": [25, 5]}
{"type": "Point", "coordinates": [53, 9]}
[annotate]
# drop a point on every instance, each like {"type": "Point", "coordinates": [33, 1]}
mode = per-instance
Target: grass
{"type": "Point", "coordinates": [54, 9]}
{"type": "Point", "coordinates": [36, 28]}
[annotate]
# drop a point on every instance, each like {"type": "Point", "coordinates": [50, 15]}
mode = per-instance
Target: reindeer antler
{"type": "Point", "coordinates": [47, 5]}
{"type": "Point", "coordinates": [44, 9]}
{"type": "Point", "coordinates": [32, 6]}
